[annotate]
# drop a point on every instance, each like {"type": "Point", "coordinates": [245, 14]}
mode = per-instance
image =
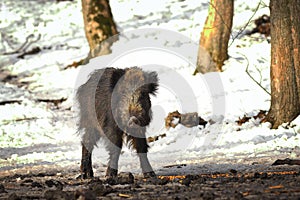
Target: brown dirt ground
{"type": "Point", "coordinates": [54, 182]}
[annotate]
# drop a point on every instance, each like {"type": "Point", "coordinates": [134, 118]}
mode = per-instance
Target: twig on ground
{"type": "Point", "coordinates": [25, 45]}
{"type": "Point", "coordinates": [21, 47]}
{"type": "Point", "coordinates": [75, 64]}
{"type": "Point", "coordinates": [33, 51]}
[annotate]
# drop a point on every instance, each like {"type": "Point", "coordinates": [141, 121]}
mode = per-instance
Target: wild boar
{"type": "Point", "coordinates": [115, 107]}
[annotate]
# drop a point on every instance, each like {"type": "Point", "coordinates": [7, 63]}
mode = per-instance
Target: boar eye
{"type": "Point", "coordinates": [132, 98]}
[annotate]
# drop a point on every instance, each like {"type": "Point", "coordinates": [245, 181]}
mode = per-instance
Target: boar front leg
{"type": "Point", "coordinates": [112, 168]}
{"type": "Point", "coordinates": [114, 147]}
{"type": "Point", "coordinates": [142, 149]}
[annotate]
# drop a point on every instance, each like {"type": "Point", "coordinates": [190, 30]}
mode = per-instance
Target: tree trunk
{"type": "Point", "coordinates": [99, 26]}
{"type": "Point", "coordinates": [215, 36]}
{"type": "Point", "coordinates": [285, 61]}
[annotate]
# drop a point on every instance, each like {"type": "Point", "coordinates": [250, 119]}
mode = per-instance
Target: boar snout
{"type": "Point", "coordinates": [133, 121]}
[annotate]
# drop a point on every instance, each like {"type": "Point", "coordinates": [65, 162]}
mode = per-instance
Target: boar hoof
{"type": "Point", "coordinates": [87, 175]}
{"type": "Point", "coordinates": [110, 172]}
{"type": "Point", "coordinates": [149, 174]}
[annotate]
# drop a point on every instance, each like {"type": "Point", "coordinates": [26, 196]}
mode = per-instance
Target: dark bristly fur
{"type": "Point", "coordinates": [114, 105]}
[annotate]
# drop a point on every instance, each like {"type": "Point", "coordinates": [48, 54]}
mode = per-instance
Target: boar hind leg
{"type": "Point", "coordinates": [141, 146]}
{"type": "Point", "coordinates": [86, 164]}
{"type": "Point", "coordinates": [89, 140]}
{"type": "Point", "coordinates": [114, 147]}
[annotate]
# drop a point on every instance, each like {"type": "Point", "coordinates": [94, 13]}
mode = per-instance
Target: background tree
{"type": "Point", "coordinates": [285, 61]}
{"type": "Point", "coordinates": [215, 36]}
{"type": "Point", "coordinates": [99, 26]}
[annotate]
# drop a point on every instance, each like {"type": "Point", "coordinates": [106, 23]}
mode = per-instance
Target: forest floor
{"type": "Point", "coordinates": [54, 182]}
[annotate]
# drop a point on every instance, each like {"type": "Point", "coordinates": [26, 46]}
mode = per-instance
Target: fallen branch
{"type": "Point", "coordinates": [33, 51]}
{"type": "Point", "coordinates": [56, 102]}
{"type": "Point", "coordinates": [21, 47]}
{"type": "Point", "coordinates": [189, 120]}
{"type": "Point", "coordinates": [25, 45]}
{"type": "Point", "coordinates": [10, 102]}
{"type": "Point", "coordinates": [75, 64]}
{"type": "Point", "coordinates": [286, 161]}
{"type": "Point", "coordinates": [175, 166]}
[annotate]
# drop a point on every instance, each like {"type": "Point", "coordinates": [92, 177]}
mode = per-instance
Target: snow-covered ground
{"type": "Point", "coordinates": [160, 36]}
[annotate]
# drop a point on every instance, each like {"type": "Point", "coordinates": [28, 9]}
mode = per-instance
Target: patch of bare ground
{"type": "Point", "coordinates": [54, 182]}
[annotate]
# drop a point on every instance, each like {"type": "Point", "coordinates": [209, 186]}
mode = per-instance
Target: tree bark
{"type": "Point", "coordinates": [285, 61]}
{"type": "Point", "coordinates": [99, 26]}
{"type": "Point", "coordinates": [215, 36]}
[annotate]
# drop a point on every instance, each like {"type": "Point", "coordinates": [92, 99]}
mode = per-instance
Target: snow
{"type": "Point", "coordinates": [157, 36]}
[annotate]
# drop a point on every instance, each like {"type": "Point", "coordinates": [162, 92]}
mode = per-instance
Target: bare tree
{"type": "Point", "coordinates": [285, 61]}
{"type": "Point", "coordinates": [215, 36]}
{"type": "Point", "coordinates": [99, 26]}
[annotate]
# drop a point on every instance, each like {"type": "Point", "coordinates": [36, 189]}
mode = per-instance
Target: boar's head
{"type": "Point", "coordinates": [131, 98]}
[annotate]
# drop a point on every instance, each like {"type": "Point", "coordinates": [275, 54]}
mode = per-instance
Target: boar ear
{"type": "Point", "coordinates": [152, 82]}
